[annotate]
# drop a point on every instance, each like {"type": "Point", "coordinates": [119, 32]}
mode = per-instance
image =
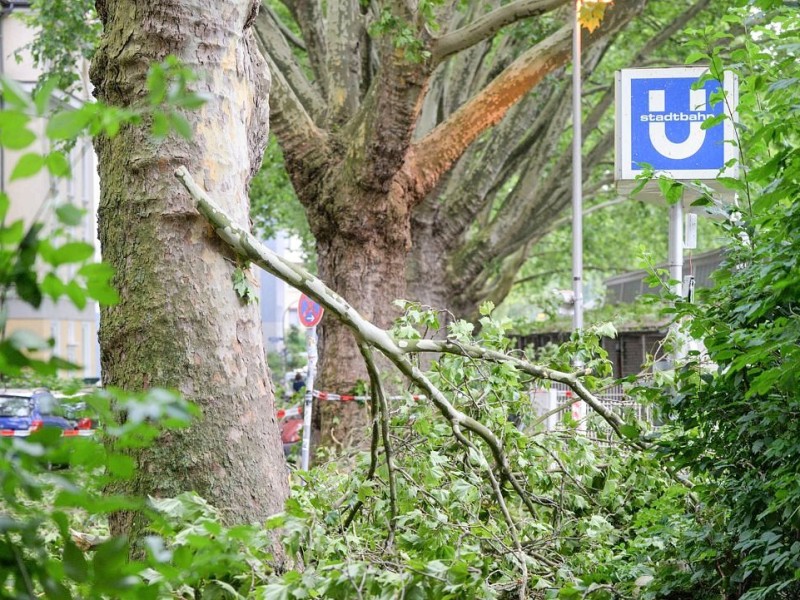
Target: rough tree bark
{"type": "Point", "coordinates": [179, 323]}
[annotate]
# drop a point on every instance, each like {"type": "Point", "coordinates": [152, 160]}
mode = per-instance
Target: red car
{"type": "Point", "coordinates": [290, 421]}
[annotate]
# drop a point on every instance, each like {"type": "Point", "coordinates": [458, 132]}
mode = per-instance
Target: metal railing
{"type": "Point", "coordinates": [612, 398]}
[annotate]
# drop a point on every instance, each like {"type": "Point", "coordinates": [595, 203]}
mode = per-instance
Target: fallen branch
{"type": "Point", "coordinates": [249, 247]}
{"type": "Point", "coordinates": [379, 402]}
{"type": "Point", "coordinates": [570, 379]}
{"type": "Point", "coordinates": [373, 449]}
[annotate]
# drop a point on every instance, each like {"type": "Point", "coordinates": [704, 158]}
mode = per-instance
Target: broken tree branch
{"type": "Point", "coordinates": [248, 246]}
{"type": "Point", "coordinates": [379, 403]}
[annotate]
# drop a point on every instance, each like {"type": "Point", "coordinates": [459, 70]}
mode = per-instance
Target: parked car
{"type": "Point", "coordinates": [15, 416]}
{"type": "Point", "coordinates": [290, 422]}
{"type": "Point", "coordinates": [78, 414]}
{"type": "Point", "coordinates": [23, 412]}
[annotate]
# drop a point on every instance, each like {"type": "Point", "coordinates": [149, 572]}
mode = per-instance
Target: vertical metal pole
{"type": "Point", "coordinates": [676, 266]}
{"type": "Point", "coordinates": [308, 401]}
{"type": "Point", "coordinates": [577, 192]}
{"type": "Point", "coordinates": [577, 176]}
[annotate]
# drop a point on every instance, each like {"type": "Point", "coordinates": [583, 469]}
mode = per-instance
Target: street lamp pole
{"type": "Point", "coordinates": [578, 408]}
{"type": "Point", "coordinates": [577, 175]}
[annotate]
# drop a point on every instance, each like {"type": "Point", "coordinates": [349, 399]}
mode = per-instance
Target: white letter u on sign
{"type": "Point", "coordinates": [658, 130]}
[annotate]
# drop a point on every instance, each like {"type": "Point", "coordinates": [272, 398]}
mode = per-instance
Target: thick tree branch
{"type": "Point", "coordinates": [344, 61]}
{"type": "Point", "coordinates": [304, 145]}
{"type": "Point", "coordinates": [281, 58]}
{"type": "Point", "coordinates": [308, 16]}
{"type": "Point", "coordinates": [295, 41]}
{"type": "Point", "coordinates": [486, 26]}
{"type": "Point", "coordinates": [437, 151]}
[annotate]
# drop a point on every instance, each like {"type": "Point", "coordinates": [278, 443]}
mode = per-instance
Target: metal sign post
{"type": "Point", "coordinates": [310, 314]}
{"type": "Point", "coordinates": [675, 251]}
{"type": "Point", "coordinates": [308, 400]}
{"type": "Point", "coordinates": [579, 408]}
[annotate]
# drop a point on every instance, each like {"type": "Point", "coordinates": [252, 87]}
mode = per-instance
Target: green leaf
{"type": "Point", "coordinates": [12, 234]}
{"type": "Point", "coordinates": [67, 125]}
{"type": "Point", "coordinates": [672, 190]}
{"type": "Point", "coordinates": [41, 98]}
{"type": "Point", "coordinates": [57, 164]}
{"type": "Point", "coordinates": [14, 95]}
{"type": "Point", "coordinates": [76, 294]}
{"type": "Point", "coordinates": [242, 287]}
{"type": "Point", "coordinates": [5, 203]}
{"type": "Point", "coordinates": [28, 165]}
{"type": "Point", "coordinates": [275, 591]}
{"type": "Point", "coordinates": [72, 252]}
{"type": "Point", "coordinates": [27, 340]}
{"type": "Point", "coordinates": [27, 288]}
{"type": "Point", "coordinates": [630, 431]}
{"type": "Point", "coordinates": [99, 270]}
{"type": "Point", "coordinates": [160, 125]}
{"type": "Point", "coordinates": [52, 286]}
{"type": "Point", "coordinates": [693, 57]}
{"type": "Point", "coordinates": [121, 466]}
{"type": "Point", "coordinates": [156, 85]}
{"type": "Point", "coordinates": [181, 125]}
{"type": "Point", "coordinates": [75, 565]}
{"type": "Point", "coordinates": [109, 561]}
{"type": "Point", "coordinates": [191, 101]}
{"type": "Point", "coordinates": [13, 119]}
{"type": "Point", "coordinates": [17, 138]}
{"type": "Point", "coordinates": [70, 215]}
{"type": "Point", "coordinates": [712, 121]}
{"type": "Point", "coordinates": [102, 291]}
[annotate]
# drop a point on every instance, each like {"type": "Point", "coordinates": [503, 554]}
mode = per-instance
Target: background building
{"type": "Point", "coordinates": [74, 331]}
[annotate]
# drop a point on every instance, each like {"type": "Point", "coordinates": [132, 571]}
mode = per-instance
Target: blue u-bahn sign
{"type": "Point", "coordinates": [659, 123]}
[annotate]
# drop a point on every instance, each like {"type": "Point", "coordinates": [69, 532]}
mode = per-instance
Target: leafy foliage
{"type": "Point", "coordinates": [67, 31]}
{"type": "Point", "coordinates": [445, 534]}
{"type": "Point", "coordinates": [424, 516]}
{"type": "Point", "coordinates": [734, 414]}
{"type": "Point", "coordinates": [274, 206]}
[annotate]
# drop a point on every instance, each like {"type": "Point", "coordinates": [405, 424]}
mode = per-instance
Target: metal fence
{"type": "Point", "coordinates": [555, 402]}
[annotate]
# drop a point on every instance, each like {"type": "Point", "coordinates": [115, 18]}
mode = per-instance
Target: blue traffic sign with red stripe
{"type": "Point", "coordinates": [308, 311]}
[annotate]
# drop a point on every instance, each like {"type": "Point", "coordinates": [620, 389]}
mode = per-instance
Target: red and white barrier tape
{"type": "Point", "coordinates": [346, 398]}
{"type": "Point", "coordinates": [296, 411]}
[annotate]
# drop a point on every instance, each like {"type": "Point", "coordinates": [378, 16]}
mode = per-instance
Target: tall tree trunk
{"type": "Point", "coordinates": [373, 242]}
{"type": "Point", "coordinates": [179, 323]}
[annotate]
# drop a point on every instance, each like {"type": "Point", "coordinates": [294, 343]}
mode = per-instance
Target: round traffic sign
{"type": "Point", "coordinates": [308, 311]}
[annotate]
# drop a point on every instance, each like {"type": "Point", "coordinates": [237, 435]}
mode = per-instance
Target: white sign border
{"type": "Point", "coordinates": [623, 150]}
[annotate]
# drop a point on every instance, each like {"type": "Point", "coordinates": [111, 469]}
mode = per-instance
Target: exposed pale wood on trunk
{"type": "Point", "coordinates": [437, 151]}
{"type": "Point", "coordinates": [305, 146]}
